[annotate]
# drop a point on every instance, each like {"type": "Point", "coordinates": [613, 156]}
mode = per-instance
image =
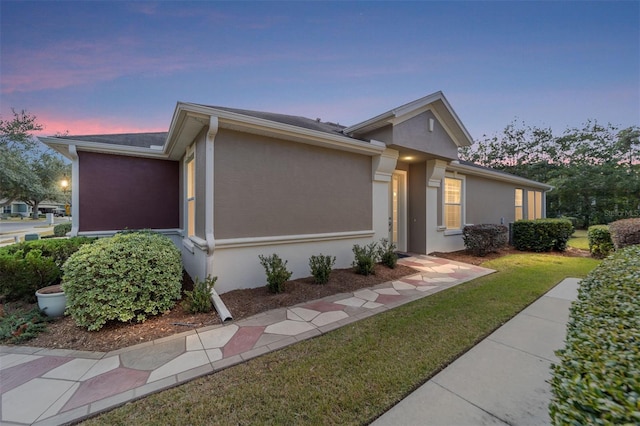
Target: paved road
{"type": "Point", "coordinates": [12, 226]}
{"type": "Point", "coordinates": [11, 229]}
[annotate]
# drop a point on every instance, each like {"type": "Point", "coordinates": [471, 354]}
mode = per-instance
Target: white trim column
{"type": "Point", "coordinates": [75, 191]}
{"type": "Point", "coordinates": [383, 166]}
{"type": "Point", "coordinates": [209, 176]}
{"type": "Point", "coordinates": [435, 173]}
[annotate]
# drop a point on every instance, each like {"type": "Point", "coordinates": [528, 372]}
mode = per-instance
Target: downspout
{"type": "Point", "coordinates": [75, 191]}
{"type": "Point", "coordinates": [218, 304]}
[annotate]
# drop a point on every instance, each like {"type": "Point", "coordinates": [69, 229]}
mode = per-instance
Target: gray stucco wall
{"type": "Point", "coordinates": [417, 208]}
{"type": "Point", "coordinates": [269, 187]}
{"type": "Point", "coordinates": [489, 200]}
{"type": "Point", "coordinates": [384, 134]}
{"type": "Point", "coordinates": [414, 134]}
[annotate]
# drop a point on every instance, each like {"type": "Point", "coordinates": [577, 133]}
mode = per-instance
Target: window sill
{"type": "Point", "coordinates": [448, 232]}
{"type": "Point", "coordinates": [186, 243]}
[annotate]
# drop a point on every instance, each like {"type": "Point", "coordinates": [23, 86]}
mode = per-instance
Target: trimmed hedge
{"type": "Point", "coordinates": [62, 229]}
{"type": "Point", "coordinates": [28, 266]}
{"type": "Point", "coordinates": [600, 244]}
{"type": "Point", "coordinates": [625, 232]}
{"type": "Point", "coordinates": [542, 235]}
{"type": "Point", "coordinates": [598, 378]}
{"type": "Point", "coordinates": [485, 238]}
{"type": "Point", "coordinates": [126, 277]}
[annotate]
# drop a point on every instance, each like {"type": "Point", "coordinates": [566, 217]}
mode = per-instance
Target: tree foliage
{"type": "Point", "coordinates": [595, 169]}
{"type": "Point", "coordinates": [28, 171]}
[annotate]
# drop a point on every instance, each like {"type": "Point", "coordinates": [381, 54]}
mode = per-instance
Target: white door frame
{"type": "Point", "coordinates": [398, 210]}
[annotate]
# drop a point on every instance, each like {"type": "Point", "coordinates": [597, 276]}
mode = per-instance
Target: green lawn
{"type": "Point", "coordinates": [355, 373]}
{"type": "Point", "coordinates": [579, 240]}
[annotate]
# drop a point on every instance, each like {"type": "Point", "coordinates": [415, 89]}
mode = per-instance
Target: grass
{"type": "Point", "coordinates": [579, 240]}
{"type": "Point", "coordinates": [354, 374]}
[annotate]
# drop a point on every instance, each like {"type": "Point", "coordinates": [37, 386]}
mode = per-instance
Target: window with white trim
{"type": "Point", "coordinates": [519, 200]}
{"type": "Point", "coordinates": [191, 196]}
{"type": "Point", "coordinates": [453, 203]}
{"type": "Point", "coordinates": [534, 204]}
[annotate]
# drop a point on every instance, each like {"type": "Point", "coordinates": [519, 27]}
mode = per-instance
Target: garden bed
{"type": "Point", "coordinates": [64, 334]}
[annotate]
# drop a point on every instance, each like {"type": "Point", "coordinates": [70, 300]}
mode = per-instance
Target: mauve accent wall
{"type": "Point", "coordinates": [119, 192]}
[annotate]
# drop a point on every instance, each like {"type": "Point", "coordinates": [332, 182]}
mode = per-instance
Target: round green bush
{"type": "Point", "coordinates": [127, 277]}
{"type": "Point", "coordinates": [61, 229]}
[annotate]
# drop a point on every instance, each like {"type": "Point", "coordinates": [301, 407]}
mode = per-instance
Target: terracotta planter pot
{"type": "Point", "coordinates": [51, 300]}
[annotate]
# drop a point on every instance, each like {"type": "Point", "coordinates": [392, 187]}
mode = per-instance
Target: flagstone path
{"type": "Point", "coordinates": [49, 387]}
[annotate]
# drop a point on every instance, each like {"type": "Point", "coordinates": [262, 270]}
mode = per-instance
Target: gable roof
{"type": "Point", "coordinates": [189, 119]}
{"type": "Point", "coordinates": [436, 102]}
{"type": "Point", "coordinates": [292, 120]}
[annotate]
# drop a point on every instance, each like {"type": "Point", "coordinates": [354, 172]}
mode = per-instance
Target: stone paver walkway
{"type": "Point", "coordinates": [44, 386]}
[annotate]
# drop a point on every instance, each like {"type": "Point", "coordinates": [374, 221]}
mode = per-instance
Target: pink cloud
{"type": "Point", "coordinates": [80, 63]}
{"type": "Point", "coordinates": [93, 126]}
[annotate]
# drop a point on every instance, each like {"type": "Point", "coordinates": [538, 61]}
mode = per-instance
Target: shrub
{"type": "Point", "coordinates": [365, 258]}
{"type": "Point", "coordinates": [542, 235]}
{"type": "Point", "coordinates": [485, 238]}
{"type": "Point", "coordinates": [321, 267]}
{"type": "Point", "coordinates": [625, 232]}
{"type": "Point", "coordinates": [122, 278]}
{"type": "Point", "coordinates": [574, 221]}
{"type": "Point", "coordinates": [21, 274]}
{"type": "Point", "coordinates": [19, 326]}
{"type": "Point", "coordinates": [198, 300]}
{"type": "Point", "coordinates": [387, 253]}
{"type": "Point", "coordinates": [600, 244]}
{"type": "Point", "coordinates": [598, 377]}
{"type": "Point", "coordinates": [62, 229]}
{"type": "Point", "coordinates": [58, 250]}
{"type": "Point", "coordinates": [277, 273]}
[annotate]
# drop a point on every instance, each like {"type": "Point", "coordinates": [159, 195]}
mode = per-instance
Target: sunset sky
{"type": "Point", "coordinates": [113, 67]}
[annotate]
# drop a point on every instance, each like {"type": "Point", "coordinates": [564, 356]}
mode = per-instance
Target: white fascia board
{"type": "Point", "coordinates": [496, 175]}
{"type": "Point", "coordinates": [59, 145]}
{"type": "Point", "coordinates": [242, 122]}
{"type": "Point", "coordinates": [389, 116]}
{"type": "Point", "coordinates": [372, 123]}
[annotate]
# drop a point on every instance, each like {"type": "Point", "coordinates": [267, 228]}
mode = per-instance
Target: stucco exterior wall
{"type": "Point", "coordinates": [414, 133]}
{"type": "Point", "coordinates": [384, 134]}
{"type": "Point", "coordinates": [417, 208]}
{"type": "Point", "coordinates": [118, 192]}
{"type": "Point", "coordinates": [489, 201]}
{"type": "Point", "coordinates": [269, 187]}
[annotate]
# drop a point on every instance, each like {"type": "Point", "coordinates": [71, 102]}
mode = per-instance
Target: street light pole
{"type": "Point", "coordinates": [64, 183]}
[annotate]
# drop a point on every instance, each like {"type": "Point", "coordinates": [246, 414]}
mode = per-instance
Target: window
{"type": "Point", "coordinates": [191, 196]}
{"type": "Point", "coordinates": [453, 203]}
{"type": "Point", "coordinates": [519, 201]}
{"type": "Point", "coordinates": [534, 205]}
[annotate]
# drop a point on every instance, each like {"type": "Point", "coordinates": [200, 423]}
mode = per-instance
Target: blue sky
{"type": "Point", "coordinates": [108, 67]}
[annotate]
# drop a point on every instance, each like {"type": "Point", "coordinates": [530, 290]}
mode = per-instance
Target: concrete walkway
{"type": "Point", "coordinates": [49, 387]}
{"type": "Point", "coordinates": [501, 381]}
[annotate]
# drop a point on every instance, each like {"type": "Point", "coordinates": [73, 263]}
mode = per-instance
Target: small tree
{"type": "Point", "coordinates": [29, 172]}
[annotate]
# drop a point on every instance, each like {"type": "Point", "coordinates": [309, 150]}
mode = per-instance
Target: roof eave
{"type": "Point", "coordinates": [62, 145]}
{"type": "Point", "coordinates": [234, 121]}
{"type": "Point", "coordinates": [495, 175]}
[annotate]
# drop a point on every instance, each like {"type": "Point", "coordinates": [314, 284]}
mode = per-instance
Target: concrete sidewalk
{"type": "Point", "coordinates": [501, 381]}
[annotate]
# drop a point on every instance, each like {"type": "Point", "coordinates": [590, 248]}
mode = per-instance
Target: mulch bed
{"type": "Point", "coordinates": [62, 333]}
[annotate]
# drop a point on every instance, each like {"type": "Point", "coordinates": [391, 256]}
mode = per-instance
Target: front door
{"type": "Point", "coordinates": [398, 210]}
